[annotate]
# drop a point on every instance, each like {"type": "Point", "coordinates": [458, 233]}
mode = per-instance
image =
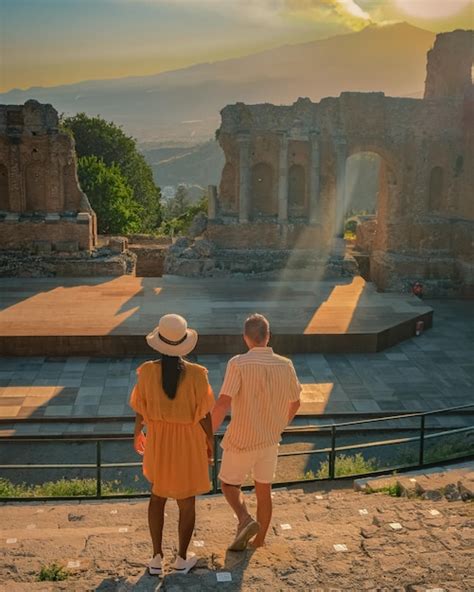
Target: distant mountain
{"type": "Point", "coordinates": [184, 104]}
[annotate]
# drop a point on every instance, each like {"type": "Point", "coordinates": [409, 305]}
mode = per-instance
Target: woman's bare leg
{"type": "Point", "coordinates": [187, 520]}
{"type": "Point", "coordinates": [156, 520]}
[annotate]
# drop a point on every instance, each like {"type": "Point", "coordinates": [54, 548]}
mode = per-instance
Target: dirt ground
{"type": "Point", "coordinates": [319, 540]}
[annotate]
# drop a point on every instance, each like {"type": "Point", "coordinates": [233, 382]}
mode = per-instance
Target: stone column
{"type": "Point", "coordinates": [314, 183]}
{"type": "Point", "coordinates": [283, 180]}
{"type": "Point", "coordinates": [244, 179]}
{"type": "Point", "coordinates": [211, 202]}
{"type": "Point", "coordinates": [341, 157]}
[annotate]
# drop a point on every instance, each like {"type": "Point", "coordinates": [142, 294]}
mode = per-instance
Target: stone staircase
{"type": "Point", "coordinates": [322, 538]}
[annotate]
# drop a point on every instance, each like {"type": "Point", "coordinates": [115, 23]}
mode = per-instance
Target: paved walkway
{"type": "Point", "coordinates": [432, 371]}
{"type": "Point", "coordinates": [320, 540]}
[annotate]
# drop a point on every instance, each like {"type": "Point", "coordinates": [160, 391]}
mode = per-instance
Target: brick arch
{"type": "Point", "coordinates": [4, 188]}
{"type": "Point", "coordinates": [263, 195]}
{"type": "Point", "coordinates": [297, 202]}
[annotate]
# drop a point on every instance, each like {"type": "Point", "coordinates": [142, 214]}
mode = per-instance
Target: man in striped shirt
{"type": "Point", "coordinates": [264, 393]}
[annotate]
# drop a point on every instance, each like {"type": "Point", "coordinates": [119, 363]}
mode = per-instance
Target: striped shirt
{"type": "Point", "coordinates": [261, 385]}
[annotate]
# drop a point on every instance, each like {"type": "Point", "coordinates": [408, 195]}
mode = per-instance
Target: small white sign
{"type": "Point", "coordinates": [396, 525]}
{"type": "Point", "coordinates": [435, 513]}
{"type": "Point", "coordinates": [363, 512]}
{"type": "Point", "coordinates": [319, 497]}
{"type": "Point", "coordinates": [73, 564]}
{"type": "Point", "coordinates": [412, 480]}
{"type": "Point", "coordinates": [31, 526]}
{"type": "Point", "coordinates": [123, 529]}
{"type": "Point", "coordinates": [198, 543]}
{"type": "Point", "coordinates": [285, 526]}
{"type": "Point", "coordinates": [114, 511]}
{"type": "Point", "coordinates": [224, 576]}
{"type": "Point", "coordinates": [11, 541]}
{"type": "Point", "coordinates": [340, 548]}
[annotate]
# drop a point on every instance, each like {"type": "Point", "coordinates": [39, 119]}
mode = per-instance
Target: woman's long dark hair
{"type": "Point", "coordinates": [171, 369]}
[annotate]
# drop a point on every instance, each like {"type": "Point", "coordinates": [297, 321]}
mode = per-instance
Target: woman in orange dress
{"type": "Point", "coordinates": [173, 399]}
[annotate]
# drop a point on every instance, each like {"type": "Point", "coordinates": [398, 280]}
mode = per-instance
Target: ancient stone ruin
{"type": "Point", "coordinates": [281, 199]}
{"type": "Point", "coordinates": [47, 225]}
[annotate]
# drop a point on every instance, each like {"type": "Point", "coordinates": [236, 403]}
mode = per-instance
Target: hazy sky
{"type": "Point", "coordinates": [50, 42]}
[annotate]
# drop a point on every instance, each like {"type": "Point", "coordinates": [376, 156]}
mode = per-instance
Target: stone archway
{"type": "Point", "coordinates": [263, 196]}
{"type": "Point", "coordinates": [4, 188]}
{"type": "Point", "coordinates": [371, 195]}
{"type": "Point", "coordinates": [297, 203]}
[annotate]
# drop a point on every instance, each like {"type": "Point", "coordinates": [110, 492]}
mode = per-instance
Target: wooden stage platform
{"type": "Point", "coordinates": [111, 316]}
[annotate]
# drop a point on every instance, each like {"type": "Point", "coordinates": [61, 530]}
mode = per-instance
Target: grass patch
{"type": "Point", "coordinates": [345, 465]}
{"type": "Point", "coordinates": [61, 488]}
{"type": "Point", "coordinates": [394, 490]}
{"type": "Point", "coordinates": [53, 573]}
{"type": "Point", "coordinates": [452, 447]}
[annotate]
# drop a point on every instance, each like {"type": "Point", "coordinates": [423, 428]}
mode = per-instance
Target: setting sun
{"type": "Point", "coordinates": [430, 9]}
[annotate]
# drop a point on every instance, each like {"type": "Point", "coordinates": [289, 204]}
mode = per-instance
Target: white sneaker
{"type": "Point", "coordinates": [184, 566]}
{"type": "Point", "coordinates": [155, 567]}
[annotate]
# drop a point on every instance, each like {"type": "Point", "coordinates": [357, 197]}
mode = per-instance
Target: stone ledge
{"type": "Point", "coordinates": [453, 484]}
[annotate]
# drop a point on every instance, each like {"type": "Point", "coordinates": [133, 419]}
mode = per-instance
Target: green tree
{"type": "Point", "coordinates": [96, 137]}
{"type": "Point", "coordinates": [110, 195]}
{"type": "Point", "coordinates": [180, 224]}
{"type": "Point", "coordinates": [178, 205]}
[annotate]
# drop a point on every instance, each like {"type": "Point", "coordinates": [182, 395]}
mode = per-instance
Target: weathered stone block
{"type": "Point", "coordinates": [83, 218]}
{"type": "Point", "coordinates": [198, 225]}
{"type": "Point", "coordinates": [42, 247]}
{"type": "Point", "coordinates": [118, 244]}
{"type": "Point", "coordinates": [67, 246]}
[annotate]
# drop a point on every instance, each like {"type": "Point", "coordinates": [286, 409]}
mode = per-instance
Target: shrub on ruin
{"type": "Point", "coordinates": [105, 140]}
{"type": "Point", "coordinates": [110, 196]}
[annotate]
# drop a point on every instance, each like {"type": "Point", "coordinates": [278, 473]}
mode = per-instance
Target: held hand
{"type": "Point", "coordinates": [139, 443]}
{"type": "Point", "coordinates": [210, 451]}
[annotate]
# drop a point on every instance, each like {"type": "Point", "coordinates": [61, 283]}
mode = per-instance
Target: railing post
{"type": "Point", "coordinates": [332, 454]}
{"type": "Point", "coordinates": [99, 471]}
{"type": "Point", "coordinates": [422, 441]}
{"type": "Point", "coordinates": [214, 466]}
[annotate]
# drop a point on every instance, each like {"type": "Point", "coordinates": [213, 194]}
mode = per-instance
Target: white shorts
{"type": "Point", "coordinates": [237, 466]}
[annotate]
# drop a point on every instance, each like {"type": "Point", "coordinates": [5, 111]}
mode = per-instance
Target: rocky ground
{"type": "Point", "coordinates": [333, 539]}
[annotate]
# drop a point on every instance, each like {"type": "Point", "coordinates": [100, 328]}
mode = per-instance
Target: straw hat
{"type": "Point", "coordinates": [172, 336]}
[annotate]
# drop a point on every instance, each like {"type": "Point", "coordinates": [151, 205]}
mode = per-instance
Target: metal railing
{"type": "Point", "coordinates": [98, 466]}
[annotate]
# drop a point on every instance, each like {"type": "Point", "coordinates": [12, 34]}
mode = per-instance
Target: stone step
{"type": "Point", "coordinates": [454, 483]}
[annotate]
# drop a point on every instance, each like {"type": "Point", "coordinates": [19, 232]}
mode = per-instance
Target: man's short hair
{"type": "Point", "coordinates": [257, 328]}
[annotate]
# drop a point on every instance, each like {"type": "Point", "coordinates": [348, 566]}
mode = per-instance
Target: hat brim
{"type": "Point", "coordinates": [184, 348]}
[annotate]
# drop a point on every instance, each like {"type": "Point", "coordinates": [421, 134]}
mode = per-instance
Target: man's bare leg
{"type": "Point", "coordinates": [235, 498]}
{"type": "Point", "coordinates": [263, 492]}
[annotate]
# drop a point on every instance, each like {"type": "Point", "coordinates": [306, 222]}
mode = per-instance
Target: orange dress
{"type": "Point", "coordinates": [175, 459]}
